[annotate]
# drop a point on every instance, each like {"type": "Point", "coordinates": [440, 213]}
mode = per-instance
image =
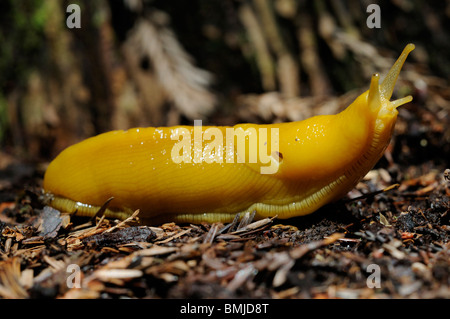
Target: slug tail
{"type": "Point", "coordinates": [387, 86]}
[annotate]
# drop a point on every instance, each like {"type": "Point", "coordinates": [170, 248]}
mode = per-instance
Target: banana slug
{"type": "Point", "coordinates": [171, 176]}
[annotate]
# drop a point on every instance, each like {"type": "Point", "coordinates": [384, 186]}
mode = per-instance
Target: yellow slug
{"type": "Point", "coordinates": [195, 174]}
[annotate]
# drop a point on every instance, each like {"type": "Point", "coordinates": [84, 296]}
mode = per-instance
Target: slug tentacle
{"type": "Point", "coordinates": [402, 101]}
{"type": "Point", "coordinates": [374, 97]}
{"type": "Point", "coordinates": [387, 86]}
{"type": "Point", "coordinates": [312, 163]}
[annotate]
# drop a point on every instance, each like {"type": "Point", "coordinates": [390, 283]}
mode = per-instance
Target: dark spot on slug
{"type": "Point", "coordinates": [278, 156]}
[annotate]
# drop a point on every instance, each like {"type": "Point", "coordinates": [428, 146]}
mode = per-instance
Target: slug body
{"type": "Point", "coordinates": [171, 174]}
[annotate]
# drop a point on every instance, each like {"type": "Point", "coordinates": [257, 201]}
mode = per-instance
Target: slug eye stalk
{"type": "Point", "coordinates": [387, 86]}
{"type": "Point", "coordinates": [374, 93]}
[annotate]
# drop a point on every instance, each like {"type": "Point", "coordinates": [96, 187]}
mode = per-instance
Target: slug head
{"type": "Point", "coordinates": [327, 144]}
{"type": "Point", "coordinates": [375, 112]}
{"type": "Point", "coordinates": [378, 96]}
